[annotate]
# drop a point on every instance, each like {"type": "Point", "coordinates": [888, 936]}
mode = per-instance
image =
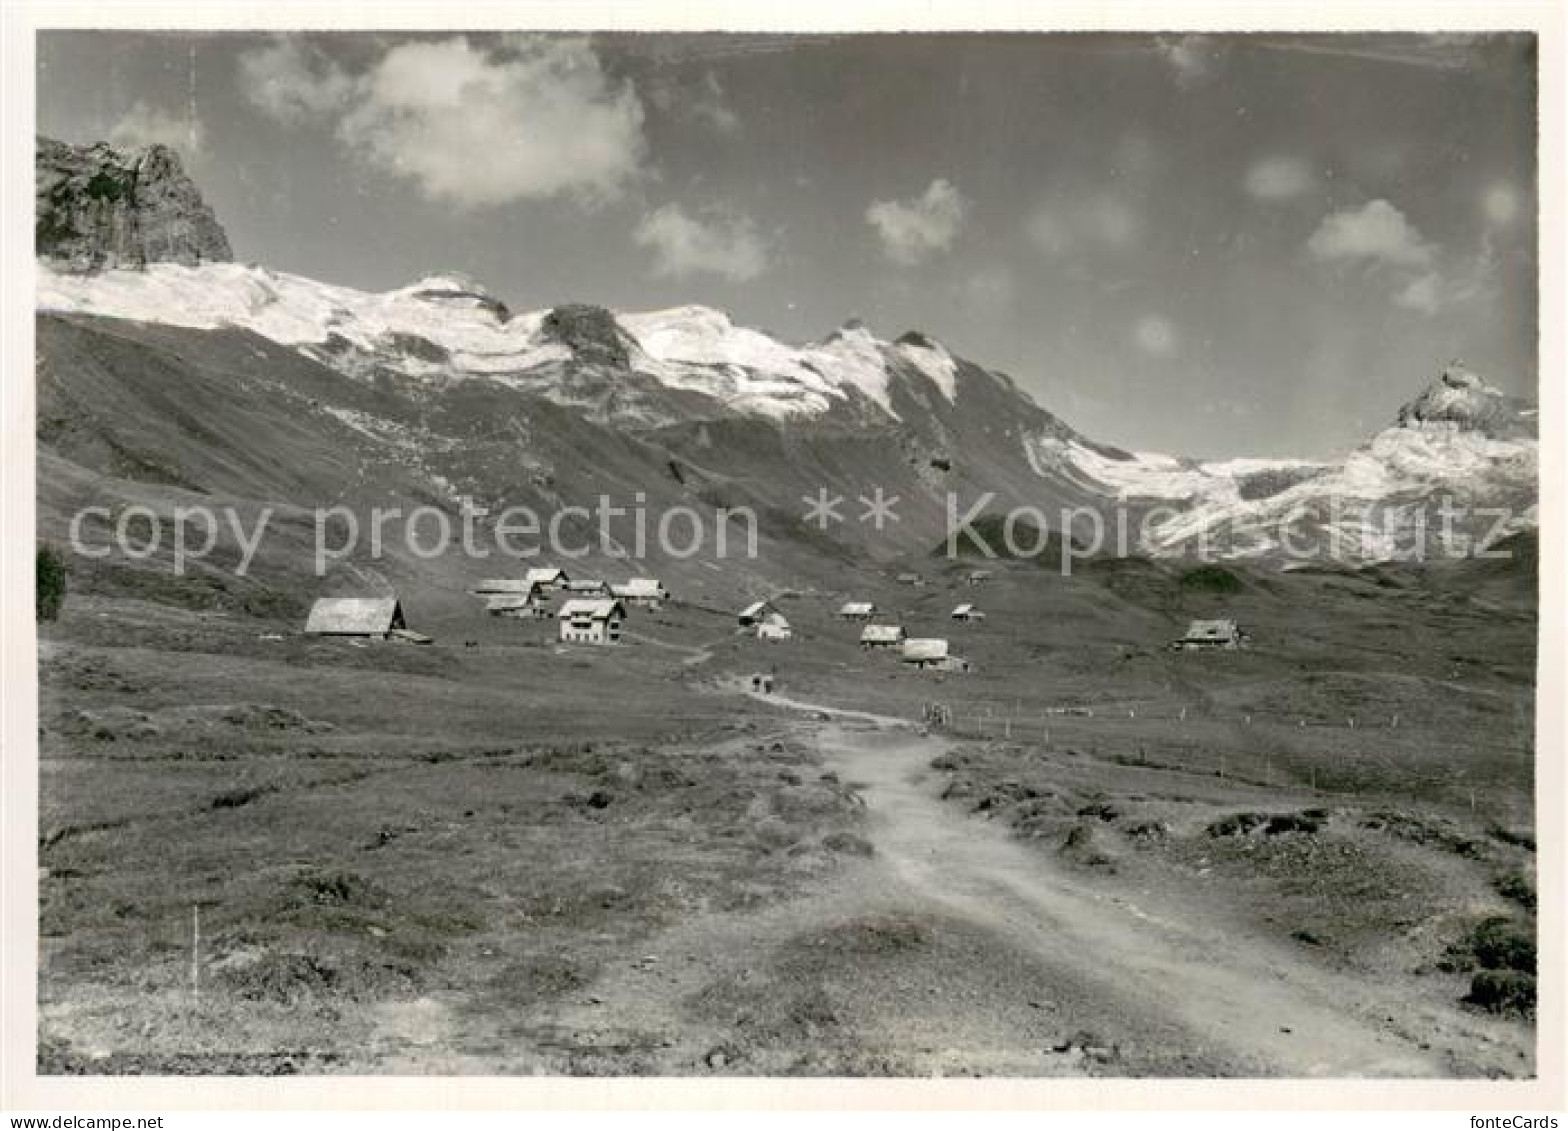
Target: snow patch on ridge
{"type": "Point", "coordinates": [935, 362]}
{"type": "Point", "coordinates": [446, 326]}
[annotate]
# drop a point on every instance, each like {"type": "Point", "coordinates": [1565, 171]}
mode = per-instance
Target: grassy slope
{"type": "Point", "coordinates": [368, 826]}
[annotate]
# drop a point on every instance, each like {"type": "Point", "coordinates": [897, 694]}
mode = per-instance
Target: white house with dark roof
{"type": "Point", "coordinates": [774, 627]}
{"type": "Point", "coordinates": [591, 620]}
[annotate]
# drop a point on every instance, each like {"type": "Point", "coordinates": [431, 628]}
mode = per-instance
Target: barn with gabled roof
{"type": "Point", "coordinates": [882, 636]}
{"type": "Point", "coordinates": [374, 618]}
{"type": "Point", "coordinates": [932, 653]}
{"type": "Point", "coordinates": [1220, 632]}
{"type": "Point", "coordinates": [755, 613]}
{"type": "Point", "coordinates": [643, 592]}
{"type": "Point", "coordinates": [547, 577]}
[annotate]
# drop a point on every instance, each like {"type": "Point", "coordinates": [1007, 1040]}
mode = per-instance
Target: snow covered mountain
{"type": "Point", "coordinates": [447, 328]}
{"type": "Point", "coordinates": [1461, 446]}
{"type": "Point", "coordinates": [426, 375]}
{"type": "Point", "coordinates": [1459, 440]}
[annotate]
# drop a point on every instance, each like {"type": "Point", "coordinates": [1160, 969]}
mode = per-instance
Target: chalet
{"type": "Point", "coordinates": [591, 621]}
{"type": "Point", "coordinates": [857, 610]}
{"type": "Point", "coordinates": [1219, 633]}
{"type": "Point", "coordinates": [932, 654]}
{"type": "Point", "coordinates": [585, 587]}
{"type": "Point", "coordinates": [364, 618]}
{"type": "Point", "coordinates": [967, 612]}
{"type": "Point", "coordinates": [882, 636]}
{"type": "Point", "coordinates": [774, 627]}
{"type": "Point", "coordinates": [911, 579]}
{"type": "Point", "coordinates": [527, 606]}
{"type": "Point", "coordinates": [978, 576]}
{"type": "Point", "coordinates": [643, 592]}
{"type": "Point", "coordinates": [548, 578]}
{"type": "Point", "coordinates": [755, 613]}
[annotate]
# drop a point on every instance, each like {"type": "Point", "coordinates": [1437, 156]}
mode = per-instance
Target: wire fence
{"type": "Point", "coordinates": [1360, 754]}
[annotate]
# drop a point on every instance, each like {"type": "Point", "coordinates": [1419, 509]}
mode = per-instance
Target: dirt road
{"type": "Point", "coordinates": [951, 949]}
{"type": "Point", "coordinates": [1247, 1003]}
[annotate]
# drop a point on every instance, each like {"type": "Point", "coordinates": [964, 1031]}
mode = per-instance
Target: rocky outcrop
{"type": "Point", "coordinates": [1462, 399]}
{"type": "Point", "coordinates": [100, 207]}
{"type": "Point", "coordinates": [590, 332]}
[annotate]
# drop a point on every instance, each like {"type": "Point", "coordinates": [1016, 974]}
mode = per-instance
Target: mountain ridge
{"type": "Point", "coordinates": [914, 414]}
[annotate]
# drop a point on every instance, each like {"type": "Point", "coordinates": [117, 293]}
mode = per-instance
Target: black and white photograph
{"type": "Point", "coordinates": [569, 552]}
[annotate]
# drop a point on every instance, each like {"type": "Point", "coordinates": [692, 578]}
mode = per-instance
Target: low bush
{"type": "Point", "coordinates": [49, 591]}
{"type": "Point", "coordinates": [1503, 991]}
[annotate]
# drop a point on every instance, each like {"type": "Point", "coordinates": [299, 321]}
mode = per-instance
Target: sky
{"type": "Point", "coordinates": [1216, 245]}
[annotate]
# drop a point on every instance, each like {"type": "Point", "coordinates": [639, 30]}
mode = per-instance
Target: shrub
{"type": "Point", "coordinates": [1517, 887]}
{"type": "Point", "coordinates": [1495, 943]}
{"type": "Point", "coordinates": [1499, 944]}
{"type": "Point", "coordinates": [49, 594]}
{"type": "Point", "coordinates": [1211, 579]}
{"type": "Point", "coordinates": [1237, 824]}
{"type": "Point", "coordinates": [1503, 991]}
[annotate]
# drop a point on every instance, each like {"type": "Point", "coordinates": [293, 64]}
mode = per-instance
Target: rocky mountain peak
{"type": "Point", "coordinates": [102, 207]}
{"type": "Point", "coordinates": [1461, 398]}
{"type": "Point", "coordinates": [590, 332]}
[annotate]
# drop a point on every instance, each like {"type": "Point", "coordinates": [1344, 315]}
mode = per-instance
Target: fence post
{"type": "Point", "coordinates": [196, 953]}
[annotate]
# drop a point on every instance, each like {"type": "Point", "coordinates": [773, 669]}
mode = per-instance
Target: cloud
{"type": "Point", "coordinates": [1423, 293]}
{"type": "Point", "coordinates": [1155, 336]}
{"type": "Point", "coordinates": [290, 81]}
{"type": "Point", "coordinates": [912, 230]}
{"type": "Point", "coordinates": [1379, 237]}
{"type": "Point", "coordinates": [702, 101]}
{"type": "Point", "coordinates": [1191, 57]}
{"type": "Point", "coordinates": [148, 125]}
{"type": "Point", "coordinates": [720, 243]}
{"type": "Point", "coordinates": [521, 117]}
{"type": "Point", "coordinates": [1280, 178]}
{"type": "Point", "coordinates": [1377, 232]}
{"type": "Point", "coordinates": [712, 106]}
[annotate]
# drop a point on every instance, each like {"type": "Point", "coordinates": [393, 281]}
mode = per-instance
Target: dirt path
{"type": "Point", "coordinates": [952, 949]}
{"type": "Point", "coordinates": [693, 656]}
{"type": "Point", "coordinates": [1261, 1005]}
